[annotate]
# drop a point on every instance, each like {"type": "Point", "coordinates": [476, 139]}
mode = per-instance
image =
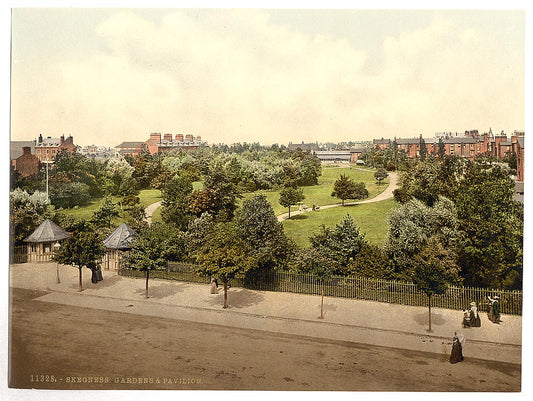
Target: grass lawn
{"type": "Point", "coordinates": [371, 218]}
{"type": "Point", "coordinates": [146, 196]}
{"type": "Point", "coordinates": [321, 194]}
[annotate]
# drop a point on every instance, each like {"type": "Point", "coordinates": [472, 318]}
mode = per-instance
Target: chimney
{"type": "Point", "coordinates": [167, 137]}
{"type": "Point", "coordinates": [62, 139]}
{"type": "Point", "coordinates": [199, 138]}
{"type": "Point", "coordinates": [40, 138]}
{"type": "Point", "coordinates": [189, 138]}
{"type": "Point", "coordinates": [179, 137]}
{"type": "Point", "coordinates": [156, 137]}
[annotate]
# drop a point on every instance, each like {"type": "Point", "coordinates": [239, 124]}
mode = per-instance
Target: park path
{"type": "Point", "coordinates": [150, 209]}
{"type": "Point", "coordinates": [386, 194]}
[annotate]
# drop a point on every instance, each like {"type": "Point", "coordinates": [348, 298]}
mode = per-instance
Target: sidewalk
{"type": "Point", "coordinates": [350, 320]}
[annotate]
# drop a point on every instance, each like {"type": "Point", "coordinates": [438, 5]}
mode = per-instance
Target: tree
{"type": "Point", "coordinates": [82, 248]}
{"type": "Point", "coordinates": [69, 195]}
{"type": "Point", "coordinates": [174, 203]}
{"type": "Point", "coordinates": [423, 149]}
{"type": "Point", "coordinates": [223, 255]}
{"type": "Point", "coordinates": [413, 225]}
{"type": "Point", "coordinates": [26, 213]}
{"type": "Point", "coordinates": [289, 196]}
{"type": "Point", "coordinates": [380, 175]}
{"type": "Point", "coordinates": [154, 247]}
{"type": "Point", "coordinates": [370, 262]}
{"type": "Point", "coordinates": [314, 262]}
{"type": "Point", "coordinates": [103, 216]}
{"type": "Point", "coordinates": [259, 227]}
{"type": "Point", "coordinates": [430, 276]}
{"type": "Point", "coordinates": [340, 244]}
{"type": "Point", "coordinates": [345, 188]}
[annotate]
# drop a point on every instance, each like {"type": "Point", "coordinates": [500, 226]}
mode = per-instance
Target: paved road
{"type": "Point", "coordinates": [386, 194]}
{"type": "Point", "coordinates": [127, 348]}
{"type": "Point", "coordinates": [350, 320]}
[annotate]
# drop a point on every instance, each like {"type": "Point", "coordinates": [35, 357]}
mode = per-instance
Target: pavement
{"type": "Point", "coordinates": [357, 321]}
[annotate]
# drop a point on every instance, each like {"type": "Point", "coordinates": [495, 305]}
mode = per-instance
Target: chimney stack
{"type": "Point", "coordinates": [167, 137]}
{"type": "Point", "coordinates": [189, 138]}
{"type": "Point", "coordinates": [156, 137]}
{"type": "Point", "coordinates": [179, 137]}
{"type": "Point", "coordinates": [199, 138]}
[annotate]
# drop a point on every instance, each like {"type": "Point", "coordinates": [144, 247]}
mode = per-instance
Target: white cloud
{"type": "Point", "coordinates": [234, 76]}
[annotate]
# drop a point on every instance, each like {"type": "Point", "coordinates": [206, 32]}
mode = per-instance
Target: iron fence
{"type": "Point", "coordinates": [379, 290]}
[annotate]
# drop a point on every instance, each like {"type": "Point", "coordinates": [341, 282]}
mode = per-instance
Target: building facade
{"type": "Point", "coordinates": [46, 149]}
{"type": "Point", "coordinates": [158, 144]}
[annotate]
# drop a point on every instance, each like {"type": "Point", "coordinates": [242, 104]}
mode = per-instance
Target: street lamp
{"type": "Point", "coordinates": [56, 248]}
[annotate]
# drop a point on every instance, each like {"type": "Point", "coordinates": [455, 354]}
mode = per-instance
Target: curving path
{"type": "Point", "coordinates": [150, 209]}
{"type": "Point", "coordinates": [387, 194]}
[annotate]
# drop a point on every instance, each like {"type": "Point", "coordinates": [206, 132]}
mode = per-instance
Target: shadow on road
{"type": "Point", "coordinates": [436, 319]}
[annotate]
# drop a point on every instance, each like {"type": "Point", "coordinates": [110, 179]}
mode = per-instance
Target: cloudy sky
{"type": "Point", "coordinates": [273, 76]}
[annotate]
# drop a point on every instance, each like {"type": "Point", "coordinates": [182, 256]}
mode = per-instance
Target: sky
{"type": "Point", "coordinates": [264, 75]}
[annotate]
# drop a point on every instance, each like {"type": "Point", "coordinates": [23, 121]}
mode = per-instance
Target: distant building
{"type": "Point", "coordinates": [333, 155]}
{"type": "Point", "coordinates": [355, 154]}
{"type": "Point", "coordinates": [381, 143]}
{"type": "Point", "coordinates": [97, 152]}
{"type": "Point", "coordinates": [46, 149]}
{"type": "Point", "coordinates": [158, 144]}
{"type": "Point", "coordinates": [27, 164]}
{"type": "Point", "coordinates": [129, 148]}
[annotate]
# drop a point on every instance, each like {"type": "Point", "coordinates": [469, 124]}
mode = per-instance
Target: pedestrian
{"type": "Point", "coordinates": [99, 276]}
{"type": "Point", "coordinates": [214, 289]}
{"type": "Point", "coordinates": [457, 349]}
{"type": "Point", "coordinates": [466, 318]}
{"type": "Point", "coordinates": [475, 319]}
{"type": "Point", "coordinates": [94, 276]}
{"type": "Point", "coordinates": [494, 309]}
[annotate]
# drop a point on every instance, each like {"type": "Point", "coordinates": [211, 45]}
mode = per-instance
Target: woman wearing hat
{"type": "Point", "coordinates": [475, 319]}
{"type": "Point", "coordinates": [494, 311]}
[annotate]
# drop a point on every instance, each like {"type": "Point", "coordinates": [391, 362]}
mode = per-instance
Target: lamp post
{"type": "Point", "coordinates": [56, 248]}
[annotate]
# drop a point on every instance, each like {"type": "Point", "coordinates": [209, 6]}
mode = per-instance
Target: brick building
{"type": "Point", "coordinates": [129, 148]}
{"type": "Point", "coordinates": [47, 148]}
{"type": "Point", "coordinates": [158, 144]}
{"type": "Point", "coordinates": [27, 164]}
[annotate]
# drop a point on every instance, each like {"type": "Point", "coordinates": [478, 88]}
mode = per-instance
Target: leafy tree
{"type": "Point", "coordinates": [223, 255]}
{"type": "Point", "coordinates": [340, 244]}
{"type": "Point", "coordinates": [69, 195]}
{"type": "Point", "coordinates": [154, 247]}
{"type": "Point", "coordinates": [441, 152]}
{"type": "Point", "coordinates": [174, 203]}
{"type": "Point", "coordinates": [82, 248]}
{"type": "Point", "coordinates": [423, 149]}
{"type": "Point", "coordinates": [314, 262]}
{"type": "Point", "coordinates": [136, 218]}
{"type": "Point", "coordinates": [289, 196]}
{"type": "Point", "coordinates": [381, 174]}
{"type": "Point", "coordinates": [370, 262]}
{"type": "Point", "coordinates": [26, 213]}
{"type": "Point", "coordinates": [491, 252]}
{"type": "Point", "coordinates": [413, 225]}
{"type": "Point", "coordinates": [345, 188]}
{"type": "Point", "coordinates": [260, 229]}
{"type": "Point", "coordinates": [431, 276]}
{"type": "Point", "coordinates": [103, 216]}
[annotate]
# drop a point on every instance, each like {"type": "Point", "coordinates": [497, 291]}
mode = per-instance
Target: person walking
{"type": "Point", "coordinates": [457, 350]}
{"type": "Point", "coordinates": [475, 319]}
{"type": "Point", "coordinates": [214, 289]}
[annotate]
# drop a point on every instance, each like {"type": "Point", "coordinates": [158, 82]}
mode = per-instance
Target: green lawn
{"type": "Point", "coordinates": [147, 197]}
{"type": "Point", "coordinates": [371, 218]}
{"type": "Point", "coordinates": [321, 194]}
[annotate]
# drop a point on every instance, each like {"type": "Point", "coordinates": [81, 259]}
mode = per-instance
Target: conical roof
{"type": "Point", "coordinates": [47, 232]}
{"type": "Point", "coordinates": [121, 238]}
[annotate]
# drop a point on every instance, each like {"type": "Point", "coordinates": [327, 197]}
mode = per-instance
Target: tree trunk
{"type": "Point", "coordinates": [429, 304]}
{"type": "Point", "coordinates": [146, 289]}
{"type": "Point", "coordinates": [322, 304]}
{"type": "Point", "coordinates": [225, 295]}
{"type": "Point", "coordinates": [79, 280]}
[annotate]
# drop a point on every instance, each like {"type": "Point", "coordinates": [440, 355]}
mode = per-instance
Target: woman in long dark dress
{"type": "Point", "coordinates": [457, 350]}
{"type": "Point", "coordinates": [475, 319]}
